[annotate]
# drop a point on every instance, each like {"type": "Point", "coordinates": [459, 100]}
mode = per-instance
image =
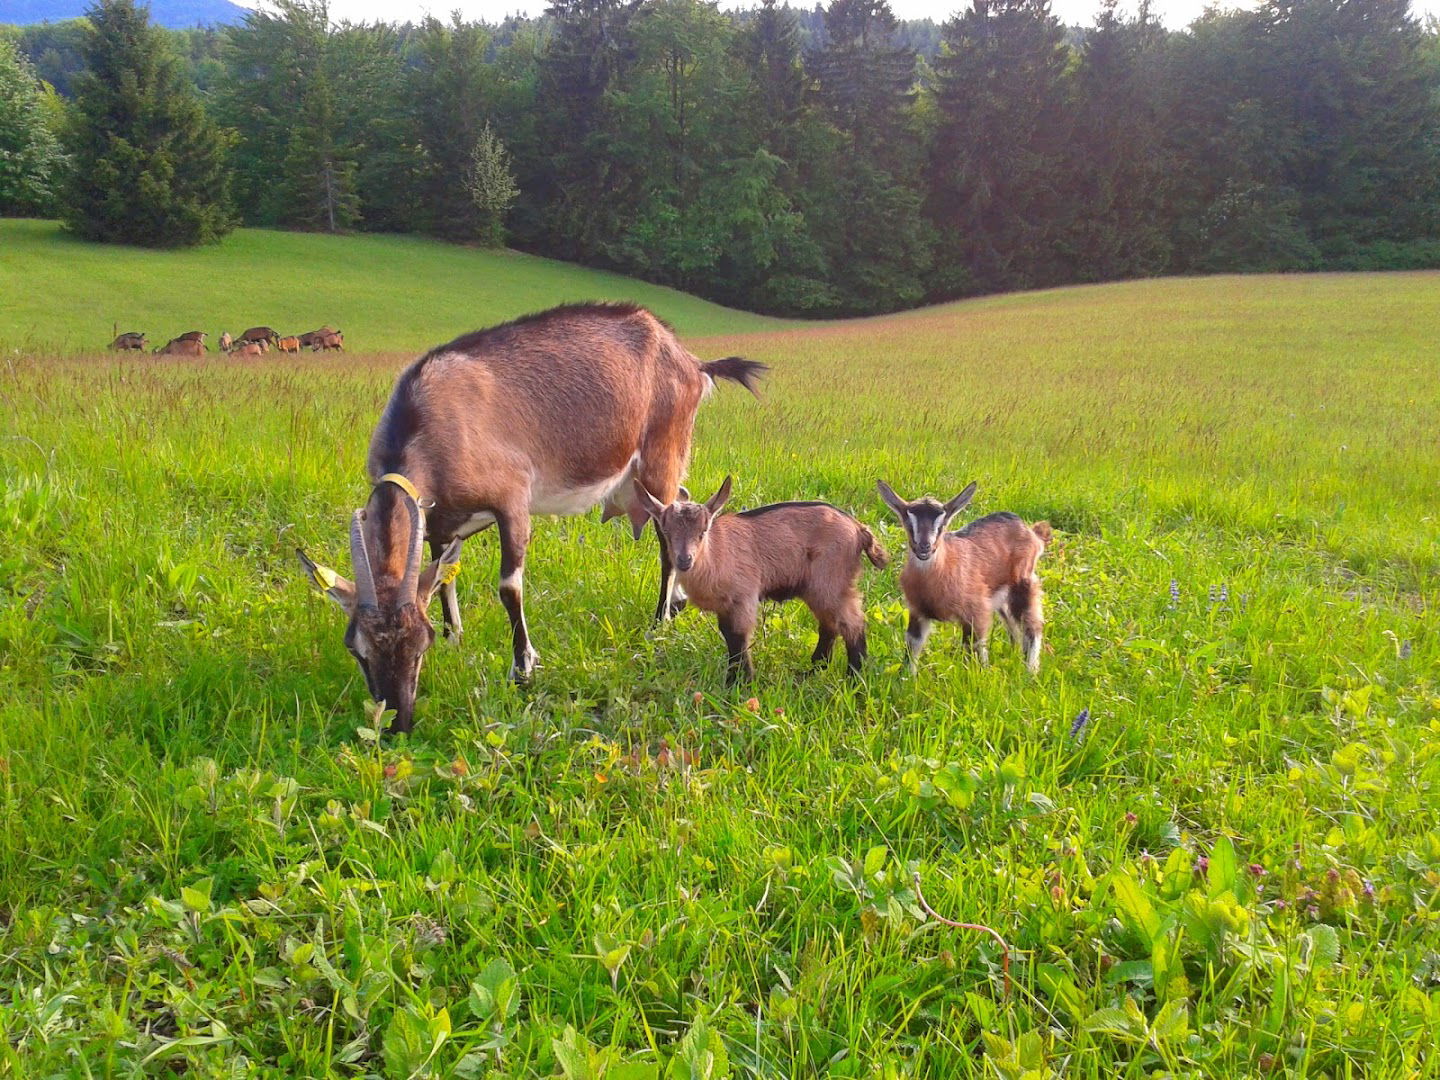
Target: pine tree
{"type": "Point", "coordinates": [864, 78]}
{"type": "Point", "coordinates": [997, 170]}
{"type": "Point", "coordinates": [148, 166]}
{"type": "Point", "coordinates": [770, 50]}
{"type": "Point", "coordinates": [1120, 169]}
{"type": "Point", "coordinates": [292, 99]}
{"type": "Point", "coordinates": [30, 157]}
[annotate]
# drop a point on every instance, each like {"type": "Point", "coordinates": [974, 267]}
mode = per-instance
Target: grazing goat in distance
{"type": "Point", "coordinates": [248, 348]}
{"type": "Point", "coordinates": [131, 342]}
{"type": "Point", "coordinates": [197, 336]}
{"type": "Point", "coordinates": [261, 333]}
{"type": "Point", "coordinates": [288, 344]}
{"type": "Point", "coordinates": [970, 575]}
{"type": "Point", "coordinates": [310, 337]}
{"type": "Point", "coordinates": [181, 347]}
{"type": "Point", "coordinates": [728, 563]}
{"type": "Point", "coordinates": [549, 414]}
{"type": "Point", "coordinates": [330, 339]}
{"type": "Point", "coordinates": [226, 341]}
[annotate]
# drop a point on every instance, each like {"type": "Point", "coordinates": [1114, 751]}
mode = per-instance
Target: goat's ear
{"type": "Point", "coordinates": [720, 498]}
{"type": "Point", "coordinates": [683, 495]}
{"type": "Point", "coordinates": [438, 573]}
{"type": "Point", "coordinates": [648, 502]}
{"type": "Point", "coordinates": [959, 502]}
{"type": "Point", "coordinates": [339, 589]}
{"type": "Point", "coordinates": [892, 500]}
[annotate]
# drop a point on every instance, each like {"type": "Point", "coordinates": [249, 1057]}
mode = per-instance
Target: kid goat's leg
{"type": "Point", "coordinates": [737, 627]}
{"type": "Point", "coordinates": [852, 629]}
{"type": "Point", "coordinates": [916, 636]}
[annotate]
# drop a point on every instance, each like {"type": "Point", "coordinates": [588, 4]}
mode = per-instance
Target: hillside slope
{"type": "Point", "coordinates": [387, 293]}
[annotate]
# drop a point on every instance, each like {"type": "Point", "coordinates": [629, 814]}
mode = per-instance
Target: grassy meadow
{"type": "Point", "coordinates": [62, 295]}
{"type": "Point", "coordinates": [1207, 832]}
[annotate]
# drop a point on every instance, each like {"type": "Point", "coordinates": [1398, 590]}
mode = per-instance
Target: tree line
{"type": "Point", "coordinates": [815, 162]}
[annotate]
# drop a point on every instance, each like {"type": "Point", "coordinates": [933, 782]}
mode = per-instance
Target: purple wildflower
{"type": "Point", "coordinates": [1082, 721]}
{"type": "Point", "coordinates": [1174, 594]}
{"type": "Point", "coordinates": [1405, 649]}
{"type": "Point", "coordinates": [1368, 889]}
{"type": "Point", "coordinates": [1202, 864]}
{"type": "Point", "coordinates": [1256, 870]}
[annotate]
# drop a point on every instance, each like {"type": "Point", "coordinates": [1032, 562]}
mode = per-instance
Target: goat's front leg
{"type": "Point", "coordinates": [915, 637]}
{"type": "Point", "coordinates": [737, 627]}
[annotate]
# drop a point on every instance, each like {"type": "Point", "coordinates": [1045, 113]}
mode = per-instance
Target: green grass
{"type": "Point", "coordinates": [387, 293]}
{"type": "Point", "coordinates": [207, 863]}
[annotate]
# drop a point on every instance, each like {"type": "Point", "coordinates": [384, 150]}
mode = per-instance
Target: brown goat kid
{"type": "Point", "coordinates": [131, 342]}
{"type": "Point", "coordinates": [969, 576]}
{"type": "Point", "coordinates": [247, 348]}
{"type": "Point", "coordinates": [728, 563]}
{"type": "Point", "coordinates": [289, 345]}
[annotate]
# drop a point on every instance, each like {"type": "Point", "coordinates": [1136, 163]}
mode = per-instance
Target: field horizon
{"type": "Point", "coordinates": [1207, 832]}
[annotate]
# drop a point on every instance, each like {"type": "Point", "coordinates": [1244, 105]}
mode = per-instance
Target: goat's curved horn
{"type": "Point", "coordinates": [411, 581]}
{"type": "Point", "coordinates": [360, 559]}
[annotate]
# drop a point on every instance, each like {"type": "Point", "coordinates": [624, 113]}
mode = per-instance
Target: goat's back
{"type": "Point", "coordinates": [787, 550]}
{"type": "Point", "coordinates": [566, 396]}
{"type": "Point", "coordinates": [1002, 548]}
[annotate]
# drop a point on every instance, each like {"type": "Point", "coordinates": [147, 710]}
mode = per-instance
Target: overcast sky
{"type": "Point", "coordinates": [1175, 13]}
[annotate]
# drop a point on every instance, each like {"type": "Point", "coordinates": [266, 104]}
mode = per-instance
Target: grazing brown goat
{"type": "Point", "coordinates": [131, 342]}
{"type": "Point", "coordinates": [310, 337]}
{"type": "Point", "coordinates": [728, 563]}
{"type": "Point", "coordinates": [226, 341]}
{"type": "Point", "coordinates": [197, 336]}
{"type": "Point", "coordinates": [969, 576]}
{"type": "Point", "coordinates": [248, 348]}
{"type": "Point", "coordinates": [181, 347]}
{"type": "Point", "coordinates": [549, 414]}
{"type": "Point", "coordinates": [331, 340]}
{"type": "Point", "coordinates": [288, 344]}
{"type": "Point", "coordinates": [260, 333]}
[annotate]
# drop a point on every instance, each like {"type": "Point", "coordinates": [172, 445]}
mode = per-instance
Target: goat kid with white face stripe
{"type": "Point", "coordinates": [969, 576]}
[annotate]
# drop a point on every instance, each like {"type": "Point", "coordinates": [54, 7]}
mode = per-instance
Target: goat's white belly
{"type": "Point", "coordinates": [483, 519]}
{"type": "Point", "coordinates": [565, 500]}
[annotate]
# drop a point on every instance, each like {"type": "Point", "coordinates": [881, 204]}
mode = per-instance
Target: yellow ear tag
{"type": "Point", "coordinates": [324, 578]}
{"type": "Point", "coordinates": [449, 574]}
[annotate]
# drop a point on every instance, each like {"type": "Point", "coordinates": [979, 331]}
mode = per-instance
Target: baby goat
{"type": "Point", "coordinates": [728, 564]}
{"type": "Point", "coordinates": [968, 576]}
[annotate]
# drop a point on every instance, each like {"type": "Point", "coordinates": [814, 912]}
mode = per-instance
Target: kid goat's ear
{"type": "Point", "coordinates": [720, 498]}
{"type": "Point", "coordinates": [892, 500]}
{"type": "Point", "coordinates": [959, 502]}
{"type": "Point", "coordinates": [648, 502]}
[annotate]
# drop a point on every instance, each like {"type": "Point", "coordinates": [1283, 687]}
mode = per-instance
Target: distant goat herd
{"type": "Point", "coordinates": [253, 342]}
{"type": "Point", "coordinates": [594, 404]}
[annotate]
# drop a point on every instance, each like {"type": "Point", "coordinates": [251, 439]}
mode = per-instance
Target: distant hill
{"type": "Point", "coordinates": [176, 14]}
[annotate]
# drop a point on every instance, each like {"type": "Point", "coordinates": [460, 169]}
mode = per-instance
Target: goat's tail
{"type": "Point", "coordinates": [737, 369]}
{"type": "Point", "coordinates": [871, 549]}
{"type": "Point", "coordinates": [1043, 531]}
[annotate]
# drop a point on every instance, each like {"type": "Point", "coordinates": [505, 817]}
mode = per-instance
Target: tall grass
{"type": "Point", "coordinates": [1207, 831]}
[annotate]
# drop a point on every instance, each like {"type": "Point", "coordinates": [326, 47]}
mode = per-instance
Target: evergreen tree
{"type": "Point", "coordinates": [285, 97]}
{"type": "Point", "coordinates": [769, 47]}
{"type": "Point", "coordinates": [998, 165]}
{"type": "Point", "coordinates": [1120, 169]}
{"type": "Point", "coordinates": [30, 157]}
{"type": "Point", "coordinates": [864, 78]}
{"type": "Point", "coordinates": [491, 185]}
{"type": "Point", "coordinates": [589, 51]}
{"type": "Point", "coordinates": [451, 100]}
{"type": "Point", "coordinates": [148, 166]}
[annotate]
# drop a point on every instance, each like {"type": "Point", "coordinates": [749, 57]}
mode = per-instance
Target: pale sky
{"type": "Point", "coordinates": [1174, 13]}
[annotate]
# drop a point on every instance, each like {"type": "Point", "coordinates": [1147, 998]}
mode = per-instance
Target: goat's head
{"type": "Point", "coordinates": [925, 519]}
{"type": "Point", "coordinates": [683, 525]}
{"type": "Point", "coordinates": [388, 631]}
